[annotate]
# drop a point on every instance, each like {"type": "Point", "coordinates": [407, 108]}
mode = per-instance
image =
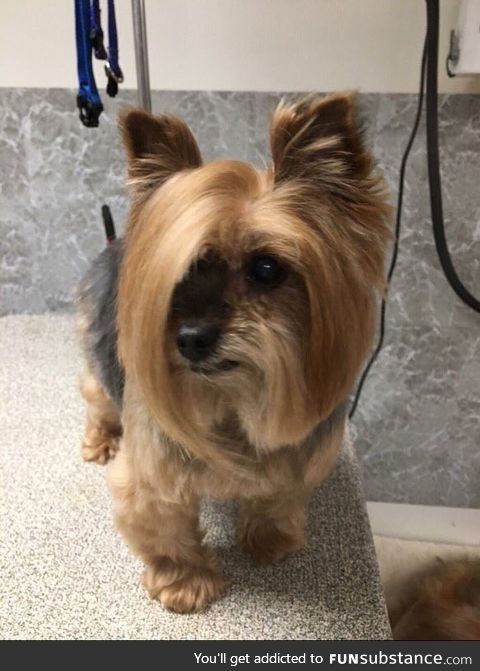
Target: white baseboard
{"type": "Point", "coordinates": [433, 524]}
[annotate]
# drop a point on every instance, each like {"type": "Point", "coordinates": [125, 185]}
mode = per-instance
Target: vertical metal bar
{"type": "Point", "coordinates": [141, 54]}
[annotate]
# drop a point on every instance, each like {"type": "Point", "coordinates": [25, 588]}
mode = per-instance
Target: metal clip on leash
{"type": "Point", "coordinates": [112, 67]}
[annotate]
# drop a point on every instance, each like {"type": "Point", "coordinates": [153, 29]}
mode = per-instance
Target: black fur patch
{"type": "Point", "coordinates": [201, 294]}
{"type": "Point", "coordinates": [97, 300]}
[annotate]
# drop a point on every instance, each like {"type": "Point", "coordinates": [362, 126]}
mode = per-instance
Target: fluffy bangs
{"type": "Point", "coordinates": [180, 223]}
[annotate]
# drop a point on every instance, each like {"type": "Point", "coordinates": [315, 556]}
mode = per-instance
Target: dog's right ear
{"type": "Point", "coordinates": [157, 148]}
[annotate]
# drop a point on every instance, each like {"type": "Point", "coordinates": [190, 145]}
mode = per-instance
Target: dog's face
{"type": "Point", "coordinates": [220, 307]}
{"type": "Point", "coordinates": [247, 290]}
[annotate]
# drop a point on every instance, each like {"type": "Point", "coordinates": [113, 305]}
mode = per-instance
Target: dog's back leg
{"type": "Point", "coordinates": [103, 425]}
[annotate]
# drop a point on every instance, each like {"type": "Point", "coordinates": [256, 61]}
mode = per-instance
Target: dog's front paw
{"type": "Point", "coordinates": [99, 448]}
{"type": "Point", "coordinates": [267, 544]}
{"type": "Point", "coordinates": [192, 592]}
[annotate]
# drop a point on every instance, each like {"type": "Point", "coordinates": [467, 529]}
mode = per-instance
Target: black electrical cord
{"type": "Point", "coordinates": [398, 223]}
{"type": "Point", "coordinates": [434, 162]}
{"type": "Point", "coordinates": [429, 76]}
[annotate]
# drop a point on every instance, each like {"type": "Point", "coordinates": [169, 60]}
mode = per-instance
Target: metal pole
{"type": "Point", "coordinates": [141, 54]}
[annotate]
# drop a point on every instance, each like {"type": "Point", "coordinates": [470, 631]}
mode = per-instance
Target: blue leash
{"type": "Point", "coordinates": [112, 67]}
{"type": "Point", "coordinates": [88, 99]}
{"type": "Point", "coordinates": [96, 32]}
{"type": "Point", "coordinates": [89, 36]}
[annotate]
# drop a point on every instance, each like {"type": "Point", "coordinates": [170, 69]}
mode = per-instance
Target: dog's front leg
{"type": "Point", "coordinates": [103, 426]}
{"type": "Point", "coordinates": [272, 529]}
{"type": "Point", "coordinates": [180, 571]}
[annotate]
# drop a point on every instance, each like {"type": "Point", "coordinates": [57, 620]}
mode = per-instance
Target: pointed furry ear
{"type": "Point", "coordinates": [157, 147]}
{"type": "Point", "coordinates": [319, 140]}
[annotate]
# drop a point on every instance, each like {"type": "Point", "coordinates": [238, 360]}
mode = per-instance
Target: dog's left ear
{"type": "Point", "coordinates": [157, 147]}
{"type": "Point", "coordinates": [319, 140]}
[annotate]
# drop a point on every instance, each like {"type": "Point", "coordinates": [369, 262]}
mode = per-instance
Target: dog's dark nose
{"type": "Point", "coordinates": [197, 342]}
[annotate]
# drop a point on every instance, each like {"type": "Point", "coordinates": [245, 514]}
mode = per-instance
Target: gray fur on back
{"type": "Point", "coordinates": [97, 302]}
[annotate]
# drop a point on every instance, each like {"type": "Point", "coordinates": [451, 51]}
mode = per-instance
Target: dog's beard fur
{"type": "Point", "coordinates": [299, 346]}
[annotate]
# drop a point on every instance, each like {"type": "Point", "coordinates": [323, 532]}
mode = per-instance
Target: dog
{"type": "Point", "coordinates": [224, 332]}
{"type": "Point", "coordinates": [444, 605]}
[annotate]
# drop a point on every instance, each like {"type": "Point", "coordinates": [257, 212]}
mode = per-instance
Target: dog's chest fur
{"type": "Point", "coordinates": [282, 470]}
{"type": "Point", "coordinates": [180, 475]}
{"type": "Point", "coordinates": [279, 470]}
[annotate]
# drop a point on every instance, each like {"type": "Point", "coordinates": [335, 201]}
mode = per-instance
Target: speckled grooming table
{"type": "Point", "coordinates": [65, 571]}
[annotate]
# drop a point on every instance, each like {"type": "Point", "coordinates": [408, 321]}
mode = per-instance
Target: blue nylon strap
{"type": "Point", "coordinates": [95, 23]}
{"type": "Point", "coordinates": [88, 99]}
{"type": "Point", "coordinates": [113, 42]}
{"type": "Point", "coordinates": [96, 32]}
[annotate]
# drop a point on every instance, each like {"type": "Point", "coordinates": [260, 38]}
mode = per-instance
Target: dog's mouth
{"type": "Point", "coordinates": [213, 368]}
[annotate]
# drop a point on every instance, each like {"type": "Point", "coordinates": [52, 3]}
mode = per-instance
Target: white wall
{"type": "Point", "coordinates": [372, 45]}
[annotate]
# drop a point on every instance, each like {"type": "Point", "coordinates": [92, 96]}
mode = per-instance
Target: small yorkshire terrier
{"type": "Point", "coordinates": [224, 333]}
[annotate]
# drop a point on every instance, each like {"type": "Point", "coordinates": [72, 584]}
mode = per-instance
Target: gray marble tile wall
{"type": "Point", "coordinates": [417, 427]}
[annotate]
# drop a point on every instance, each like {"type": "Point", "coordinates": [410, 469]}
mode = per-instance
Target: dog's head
{"type": "Point", "coordinates": [251, 290]}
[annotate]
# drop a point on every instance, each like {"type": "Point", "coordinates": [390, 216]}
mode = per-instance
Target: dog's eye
{"type": "Point", "coordinates": [266, 271]}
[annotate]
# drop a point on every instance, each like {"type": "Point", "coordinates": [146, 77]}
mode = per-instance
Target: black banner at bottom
{"type": "Point", "coordinates": [198, 655]}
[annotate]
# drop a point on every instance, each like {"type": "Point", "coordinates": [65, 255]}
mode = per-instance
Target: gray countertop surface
{"type": "Point", "coordinates": [65, 571]}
